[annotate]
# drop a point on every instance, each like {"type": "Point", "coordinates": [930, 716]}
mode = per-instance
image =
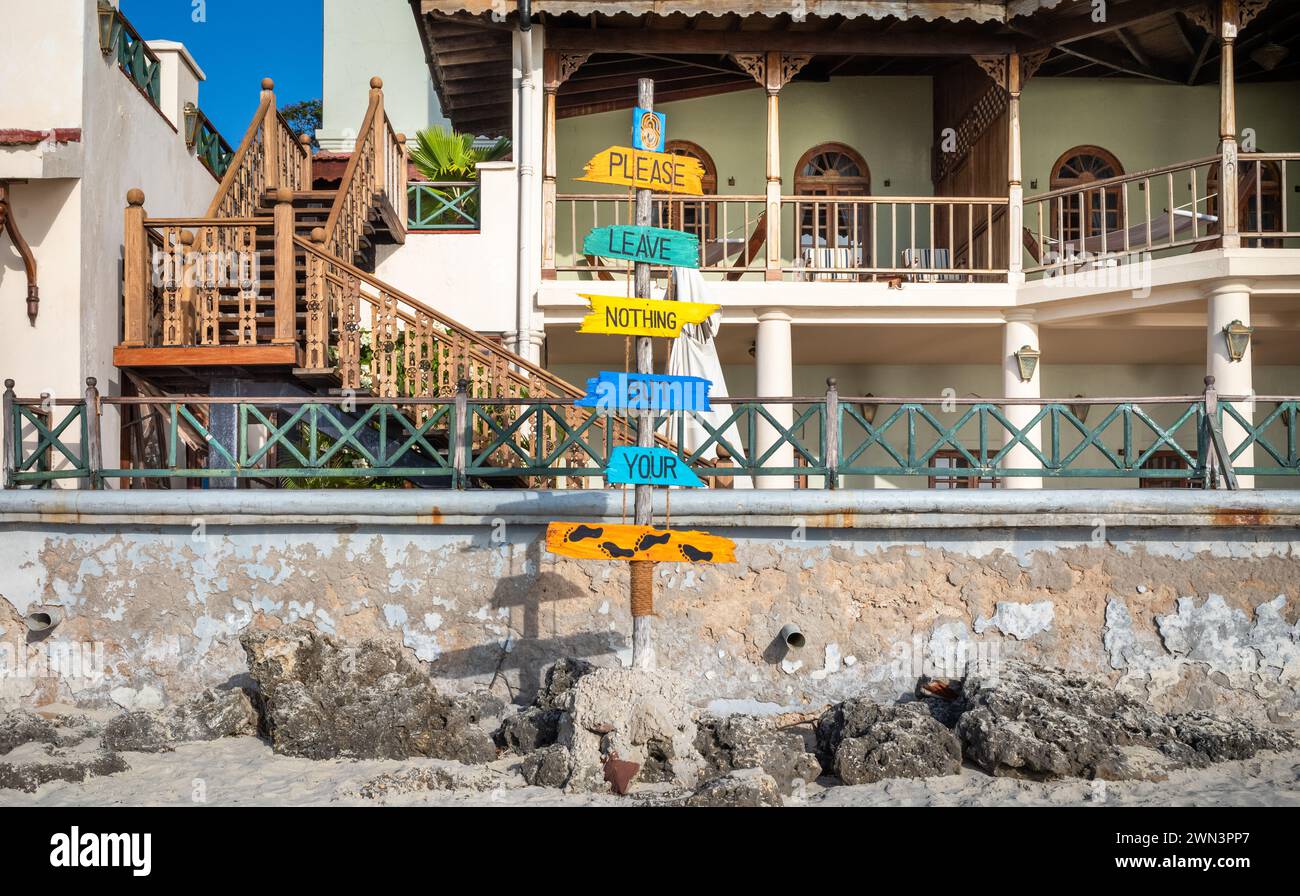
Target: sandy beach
{"type": "Point", "coordinates": [243, 771]}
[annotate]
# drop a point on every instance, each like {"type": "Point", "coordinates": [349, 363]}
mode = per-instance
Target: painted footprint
{"type": "Point", "coordinates": [694, 554]}
{"type": "Point", "coordinates": [649, 540]}
{"type": "Point", "coordinates": [581, 533]}
{"type": "Point", "coordinates": [613, 550]}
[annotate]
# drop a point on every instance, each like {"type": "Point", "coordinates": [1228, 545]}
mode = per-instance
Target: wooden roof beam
{"type": "Point", "coordinates": [577, 86]}
{"type": "Point", "coordinates": [616, 40]}
{"type": "Point", "coordinates": [663, 88]}
{"type": "Point", "coordinates": [1078, 28]}
{"type": "Point", "coordinates": [1104, 56]}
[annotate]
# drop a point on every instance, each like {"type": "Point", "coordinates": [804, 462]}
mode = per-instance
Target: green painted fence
{"type": "Point", "coordinates": [443, 206]}
{"type": "Point", "coordinates": [461, 441]}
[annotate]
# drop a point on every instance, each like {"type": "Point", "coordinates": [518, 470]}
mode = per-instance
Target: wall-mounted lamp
{"type": "Point", "coordinates": [868, 409]}
{"type": "Point", "coordinates": [108, 27]}
{"type": "Point", "coordinates": [1237, 335]}
{"type": "Point", "coordinates": [888, 182]}
{"type": "Point", "coordinates": [731, 181]}
{"type": "Point", "coordinates": [1080, 411]}
{"type": "Point", "coordinates": [1033, 184]}
{"type": "Point", "coordinates": [1027, 361]}
{"type": "Point", "coordinates": [191, 125]}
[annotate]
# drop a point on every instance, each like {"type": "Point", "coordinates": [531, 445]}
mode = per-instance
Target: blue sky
{"type": "Point", "coordinates": [237, 43]}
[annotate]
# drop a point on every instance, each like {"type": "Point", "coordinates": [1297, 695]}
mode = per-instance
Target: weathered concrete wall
{"type": "Point", "coordinates": [1189, 599]}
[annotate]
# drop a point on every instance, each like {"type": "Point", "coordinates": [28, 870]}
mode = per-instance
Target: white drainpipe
{"type": "Point", "coordinates": [524, 155]}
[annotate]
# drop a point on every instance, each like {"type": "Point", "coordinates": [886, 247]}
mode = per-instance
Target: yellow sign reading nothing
{"type": "Point", "coordinates": [622, 316]}
{"type": "Point", "coordinates": [659, 171]}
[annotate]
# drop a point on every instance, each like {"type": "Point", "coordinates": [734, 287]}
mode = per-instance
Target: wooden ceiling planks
{"type": "Point", "coordinates": [687, 49]}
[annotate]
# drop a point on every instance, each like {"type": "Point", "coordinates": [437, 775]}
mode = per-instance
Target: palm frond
{"type": "Point", "coordinates": [441, 154]}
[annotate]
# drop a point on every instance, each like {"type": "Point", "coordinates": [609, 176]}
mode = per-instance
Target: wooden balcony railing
{"type": "Point", "coordinates": [822, 238]}
{"type": "Point", "coordinates": [918, 238]}
{"type": "Point", "coordinates": [1175, 207]}
{"type": "Point", "coordinates": [732, 230]}
{"type": "Point", "coordinates": [1266, 195]}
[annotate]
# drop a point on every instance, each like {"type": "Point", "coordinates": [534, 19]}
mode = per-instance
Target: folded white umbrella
{"type": "Point", "coordinates": [694, 353]}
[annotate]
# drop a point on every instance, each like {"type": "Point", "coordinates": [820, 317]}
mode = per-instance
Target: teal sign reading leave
{"type": "Point", "coordinates": [649, 466]}
{"type": "Point", "coordinates": [652, 245]}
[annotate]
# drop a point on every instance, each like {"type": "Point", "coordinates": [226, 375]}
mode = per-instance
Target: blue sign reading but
{"type": "Point", "coordinates": [611, 391]}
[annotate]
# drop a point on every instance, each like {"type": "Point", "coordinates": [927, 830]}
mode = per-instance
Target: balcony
{"type": "Point", "coordinates": [841, 238]}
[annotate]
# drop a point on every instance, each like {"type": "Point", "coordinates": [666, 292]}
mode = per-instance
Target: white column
{"type": "Point", "coordinates": [1018, 331]}
{"type": "Point", "coordinates": [774, 359]}
{"type": "Point", "coordinates": [1225, 303]}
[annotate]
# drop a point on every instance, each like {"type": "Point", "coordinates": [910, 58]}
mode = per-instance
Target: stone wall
{"type": "Point", "coordinates": [1189, 600]}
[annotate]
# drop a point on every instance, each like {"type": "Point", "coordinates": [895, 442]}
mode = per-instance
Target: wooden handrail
{"type": "Point", "coordinates": [241, 154]}
{"type": "Point", "coordinates": [1121, 179]}
{"type": "Point", "coordinates": [564, 387]}
{"type": "Point", "coordinates": [256, 166]}
{"type": "Point", "coordinates": [366, 137]}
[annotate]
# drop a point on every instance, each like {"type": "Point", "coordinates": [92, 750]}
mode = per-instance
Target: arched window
{"type": "Point", "coordinates": [699, 218]}
{"type": "Point", "coordinates": [1259, 200]}
{"type": "Point", "coordinates": [832, 169]}
{"type": "Point", "coordinates": [1090, 212]}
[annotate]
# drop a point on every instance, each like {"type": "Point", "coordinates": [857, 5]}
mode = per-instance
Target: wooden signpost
{"type": "Point", "coordinates": [644, 465]}
{"type": "Point", "coordinates": [613, 391]}
{"type": "Point", "coordinates": [625, 316]}
{"type": "Point", "coordinates": [660, 172]}
{"type": "Point", "coordinates": [653, 245]}
{"type": "Point", "coordinates": [638, 544]}
{"type": "Point", "coordinates": [649, 466]}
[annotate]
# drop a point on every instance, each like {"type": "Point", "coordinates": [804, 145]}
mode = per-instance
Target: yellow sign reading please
{"type": "Point", "coordinates": [659, 171]}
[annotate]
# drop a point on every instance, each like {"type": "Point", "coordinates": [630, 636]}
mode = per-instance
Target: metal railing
{"type": "Point", "coordinates": [460, 441]}
{"type": "Point", "coordinates": [119, 39]}
{"type": "Point", "coordinates": [443, 205]}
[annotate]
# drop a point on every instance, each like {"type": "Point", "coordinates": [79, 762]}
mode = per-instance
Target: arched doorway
{"type": "Point", "coordinates": [1081, 215]}
{"type": "Point", "coordinates": [832, 169]}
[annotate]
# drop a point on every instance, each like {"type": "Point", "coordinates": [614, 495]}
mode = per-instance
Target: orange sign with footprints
{"type": "Point", "coordinates": [600, 541]}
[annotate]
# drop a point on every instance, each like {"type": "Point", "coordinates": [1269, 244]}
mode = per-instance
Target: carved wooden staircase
{"type": "Point", "coordinates": [275, 285]}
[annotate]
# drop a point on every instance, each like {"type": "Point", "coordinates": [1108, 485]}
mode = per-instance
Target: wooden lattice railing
{"type": "Point", "coordinates": [376, 173]}
{"type": "Point", "coordinates": [204, 286]}
{"type": "Point", "coordinates": [269, 156]}
{"type": "Point", "coordinates": [379, 340]}
{"type": "Point", "coordinates": [351, 329]}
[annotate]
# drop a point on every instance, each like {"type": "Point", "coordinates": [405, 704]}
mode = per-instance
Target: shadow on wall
{"type": "Point", "coordinates": [525, 651]}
